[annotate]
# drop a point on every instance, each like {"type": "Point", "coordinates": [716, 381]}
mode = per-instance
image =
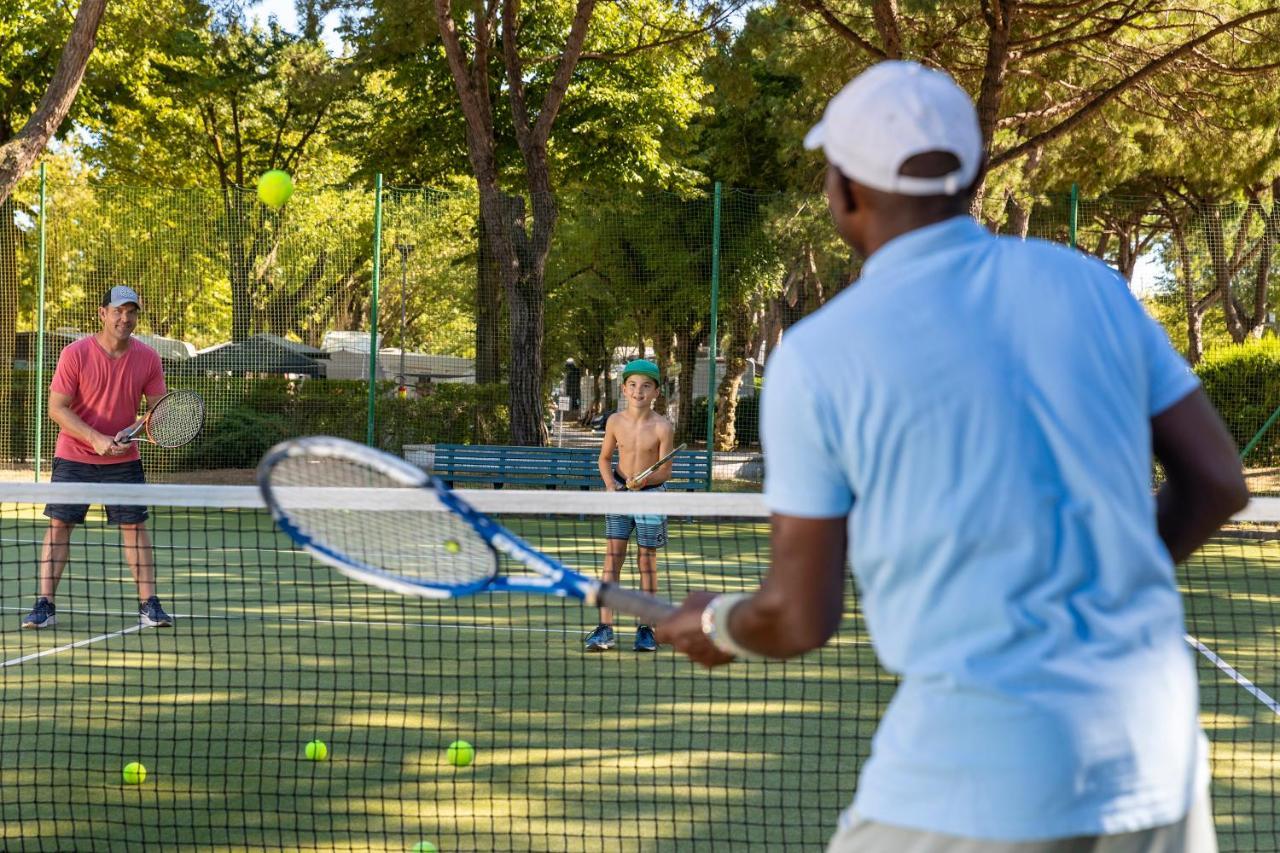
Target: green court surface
{"type": "Point", "coordinates": [617, 751]}
{"type": "Point", "coordinates": [574, 751]}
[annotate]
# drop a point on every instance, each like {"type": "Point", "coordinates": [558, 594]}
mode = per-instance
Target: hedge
{"type": "Point", "coordinates": [1243, 381]}
{"type": "Point", "coordinates": [244, 417]}
{"type": "Point", "coordinates": [242, 426]}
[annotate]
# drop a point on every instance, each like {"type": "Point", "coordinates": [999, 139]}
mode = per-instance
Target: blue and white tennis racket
{"type": "Point", "coordinates": [387, 523]}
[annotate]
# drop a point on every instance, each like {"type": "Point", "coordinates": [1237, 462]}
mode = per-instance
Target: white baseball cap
{"type": "Point", "coordinates": [121, 295]}
{"type": "Point", "coordinates": [892, 112]}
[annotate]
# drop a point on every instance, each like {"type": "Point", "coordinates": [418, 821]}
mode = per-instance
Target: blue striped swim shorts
{"type": "Point", "coordinates": [651, 530]}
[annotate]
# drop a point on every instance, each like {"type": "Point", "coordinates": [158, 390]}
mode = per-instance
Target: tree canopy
{"type": "Point", "coordinates": [553, 166]}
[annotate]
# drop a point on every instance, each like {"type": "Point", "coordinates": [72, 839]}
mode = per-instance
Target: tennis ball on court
{"type": "Point", "coordinates": [274, 188]}
{"type": "Point", "coordinates": [424, 847]}
{"type": "Point", "coordinates": [134, 773]}
{"type": "Point", "coordinates": [317, 751]}
{"type": "Point", "coordinates": [461, 753]}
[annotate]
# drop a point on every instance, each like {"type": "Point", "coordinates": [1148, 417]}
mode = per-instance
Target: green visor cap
{"type": "Point", "coordinates": [644, 367]}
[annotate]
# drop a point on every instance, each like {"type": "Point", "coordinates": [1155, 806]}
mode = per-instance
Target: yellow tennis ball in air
{"type": "Point", "coordinates": [134, 773]}
{"type": "Point", "coordinates": [453, 546]}
{"type": "Point", "coordinates": [424, 847]}
{"type": "Point", "coordinates": [317, 751]}
{"type": "Point", "coordinates": [274, 188]}
{"type": "Point", "coordinates": [461, 753]}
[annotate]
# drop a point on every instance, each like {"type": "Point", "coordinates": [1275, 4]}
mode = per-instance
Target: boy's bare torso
{"type": "Point", "coordinates": [639, 440]}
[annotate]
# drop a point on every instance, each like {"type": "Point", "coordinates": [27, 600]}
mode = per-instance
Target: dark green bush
{"type": "Point", "coordinates": [237, 439]}
{"type": "Point", "coordinates": [746, 420]}
{"type": "Point", "coordinates": [1243, 382]}
{"type": "Point", "coordinates": [451, 414]}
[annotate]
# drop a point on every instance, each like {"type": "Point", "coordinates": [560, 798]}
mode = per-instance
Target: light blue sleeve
{"type": "Point", "coordinates": [803, 472]}
{"type": "Point", "coordinates": [1169, 377]}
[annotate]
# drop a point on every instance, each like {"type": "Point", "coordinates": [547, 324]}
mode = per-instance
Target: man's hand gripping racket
{"type": "Point", "coordinates": [379, 520]}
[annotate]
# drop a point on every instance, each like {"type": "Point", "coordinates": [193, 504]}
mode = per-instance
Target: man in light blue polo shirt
{"type": "Point", "coordinates": [972, 424]}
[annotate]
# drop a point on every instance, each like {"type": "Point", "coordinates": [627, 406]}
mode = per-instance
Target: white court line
{"type": "Point", "coordinates": [299, 620]}
{"type": "Point", "coordinates": [486, 629]}
{"type": "Point", "coordinates": [1235, 675]}
{"type": "Point", "coordinates": [131, 629]}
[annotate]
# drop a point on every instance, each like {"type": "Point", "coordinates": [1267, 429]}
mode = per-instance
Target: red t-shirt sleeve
{"type": "Point", "coordinates": [155, 387]}
{"type": "Point", "coordinates": [66, 376]}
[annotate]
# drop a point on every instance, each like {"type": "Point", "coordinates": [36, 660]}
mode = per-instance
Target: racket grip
{"type": "Point", "coordinates": [642, 605]}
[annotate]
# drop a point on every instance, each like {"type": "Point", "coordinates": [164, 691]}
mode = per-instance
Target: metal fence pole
{"type": "Point", "coordinates": [40, 284]}
{"type": "Point", "coordinates": [712, 347]}
{"type": "Point", "coordinates": [373, 308]}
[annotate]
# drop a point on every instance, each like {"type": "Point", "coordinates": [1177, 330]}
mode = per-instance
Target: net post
{"type": "Point", "coordinates": [1073, 215]}
{"type": "Point", "coordinates": [40, 286]}
{"type": "Point", "coordinates": [373, 309]}
{"type": "Point", "coordinates": [711, 346]}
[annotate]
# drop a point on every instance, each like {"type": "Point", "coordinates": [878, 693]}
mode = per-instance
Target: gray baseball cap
{"type": "Point", "coordinates": [121, 295]}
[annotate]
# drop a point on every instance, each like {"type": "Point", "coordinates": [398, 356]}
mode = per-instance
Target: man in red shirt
{"type": "Point", "coordinates": [94, 397]}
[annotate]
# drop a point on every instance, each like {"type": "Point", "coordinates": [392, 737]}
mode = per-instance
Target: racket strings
{"type": "Point", "coordinates": [176, 419]}
{"type": "Point", "coordinates": [380, 522]}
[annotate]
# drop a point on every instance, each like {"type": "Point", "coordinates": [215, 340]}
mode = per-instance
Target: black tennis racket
{"type": "Point", "coordinates": [379, 520]}
{"type": "Point", "coordinates": [173, 421]}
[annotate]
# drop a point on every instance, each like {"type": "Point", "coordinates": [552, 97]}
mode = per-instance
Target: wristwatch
{"type": "Point", "coordinates": [715, 624]}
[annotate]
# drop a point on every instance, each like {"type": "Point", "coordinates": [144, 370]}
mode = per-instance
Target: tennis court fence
{"type": "Point", "coordinates": [379, 316]}
{"type": "Point", "coordinates": [618, 751]}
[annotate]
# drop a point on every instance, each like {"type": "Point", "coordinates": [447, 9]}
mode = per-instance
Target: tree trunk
{"type": "Point", "coordinates": [664, 355]}
{"type": "Point", "coordinates": [1190, 305]}
{"type": "Point", "coordinates": [1019, 217]}
{"type": "Point", "coordinates": [736, 352]}
{"type": "Point", "coordinates": [1256, 319]}
{"type": "Point", "coordinates": [522, 266]}
{"type": "Point", "coordinates": [10, 286]}
{"type": "Point", "coordinates": [489, 298]}
{"type": "Point", "coordinates": [1210, 216]}
{"type": "Point", "coordinates": [239, 264]}
{"type": "Point", "coordinates": [528, 408]}
{"type": "Point", "coordinates": [999, 15]}
{"type": "Point", "coordinates": [688, 338]}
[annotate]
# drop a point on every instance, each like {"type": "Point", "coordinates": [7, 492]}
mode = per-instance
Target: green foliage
{"type": "Point", "coordinates": [1243, 381]}
{"type": "Point", "coordinates": [133, 35]}
{"type": "Point", "coordinates": [625, 121]}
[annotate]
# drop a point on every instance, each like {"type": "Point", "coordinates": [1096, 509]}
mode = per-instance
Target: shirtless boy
{"type": "Point", "coordinates": [641, 437]}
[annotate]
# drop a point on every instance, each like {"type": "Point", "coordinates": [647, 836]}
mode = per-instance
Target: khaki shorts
{"type": "Point", "coordinates": [1192, 834]}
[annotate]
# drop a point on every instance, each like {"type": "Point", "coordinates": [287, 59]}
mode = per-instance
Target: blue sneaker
{"type": "Point", "coordinates": [644, 640]}
{"type": "Point", "coordinates": [152, 615]}
{"type": "Point", "coordinates": [41, 616]}
{"type": "Point", "coordinates": [601, 639]}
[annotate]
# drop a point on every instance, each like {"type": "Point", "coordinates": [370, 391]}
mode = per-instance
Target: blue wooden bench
{"type": "Point", "coordinates": [550, 467]}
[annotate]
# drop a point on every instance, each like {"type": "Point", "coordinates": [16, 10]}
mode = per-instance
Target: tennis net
{"type": "Point", "coordinates": [618, 751]}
